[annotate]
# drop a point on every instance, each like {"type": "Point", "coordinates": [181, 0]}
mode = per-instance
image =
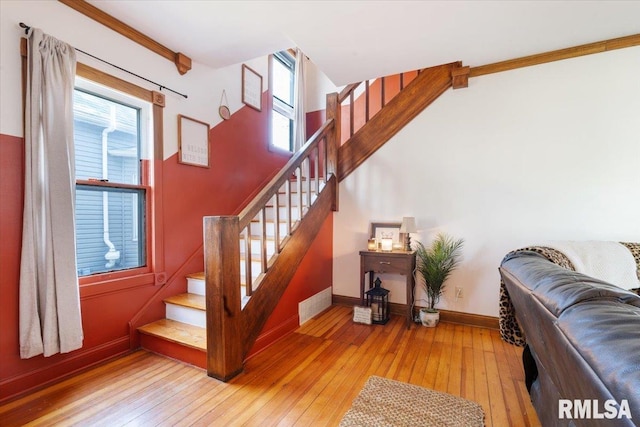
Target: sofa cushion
{"type": "Point", "coordinates": [584, 335]}
{"type": "Point", "coordinates": [558, 288]}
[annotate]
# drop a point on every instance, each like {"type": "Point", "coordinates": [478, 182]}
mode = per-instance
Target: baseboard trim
{"type": "Point", "coordinates": [470, 319]}
{"type": "Point", "coordinates": [448, 316]}
{"type": "Point", "coordinates": [29, 382]}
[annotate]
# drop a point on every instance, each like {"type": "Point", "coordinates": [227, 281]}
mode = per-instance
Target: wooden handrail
{"type": "Point", "coordinates": [401, 109]}
{"type": "Point", "coordinates": [263, 197]}
{"type": "Point", "coordinates": [231, 328]}
{"type": "Point", "coordinates": [262, 304]}
{"type": "Point", "coordinates": [385, 89]}
{"type": "Point", "coordinates": [346, 91]}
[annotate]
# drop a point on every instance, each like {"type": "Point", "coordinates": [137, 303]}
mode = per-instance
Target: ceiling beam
{"type": "Point", "coordinates": [182, 62]}
{"type": "Point", "coordinates": [557, 55]}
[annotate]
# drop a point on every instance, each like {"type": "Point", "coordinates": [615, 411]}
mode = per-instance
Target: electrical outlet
{"type": "Point", "coordinates": [458, 293]}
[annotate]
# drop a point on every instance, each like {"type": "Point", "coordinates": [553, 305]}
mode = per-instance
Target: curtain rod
{"type": "Point", "coordinates": [26, 31]}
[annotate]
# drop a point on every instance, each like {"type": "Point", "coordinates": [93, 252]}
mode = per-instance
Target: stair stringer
{"type": "Point", "coordinates": [402, 109]}
{"type": "Point", "coordinates": [231, 329]}
{"type": "Point", "coordinates": [284, 266]}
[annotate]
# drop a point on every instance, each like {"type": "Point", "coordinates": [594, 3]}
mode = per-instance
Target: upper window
{"type": "Point", "coordinates": [282, 116]}
{"type": "Point", "coordinates": [111, 135]}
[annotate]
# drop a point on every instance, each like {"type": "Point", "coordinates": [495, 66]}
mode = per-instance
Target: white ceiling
{"type": "Point", "coordinates": [354, 40]}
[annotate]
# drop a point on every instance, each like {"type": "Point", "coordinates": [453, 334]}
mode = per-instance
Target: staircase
{"type": "Point", "coordinates": [182, 333]}
{"type": "Point", "coordinates": [251, 258]}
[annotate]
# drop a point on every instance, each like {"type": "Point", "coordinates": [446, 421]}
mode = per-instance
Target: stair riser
{"type": "Point", "coordinates": [196, 286]}
{"type": "Point", "coordinates": [256, 247]}
{"type": "Point", "coordinates": [282, 200]}
{"type": "Point", "coordinates": [256, 229]}
{"type": "Point", "coordinates": [270, 214]}
{"type": "Point", "coordinates": [189, 315]}
{"type": "Point", "coordinates": [256, 265]}
{"type": "Point", "coordinates": [256, 269]}
{"type": "Point", "coordinates": [174, 350]}
{"type": "Point", "coordinates": [294, 187]}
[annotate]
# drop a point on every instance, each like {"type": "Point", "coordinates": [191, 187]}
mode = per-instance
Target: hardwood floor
{"type": "Point", "coordinates": [309, 378]}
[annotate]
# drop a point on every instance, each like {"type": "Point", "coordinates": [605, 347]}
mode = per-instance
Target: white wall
{"type": "Point", "coordinates": [318, 86]}
{"type": "Point", "coordinates": [548, 152]}
{"type": "Point", "coordinates": [202, 84]}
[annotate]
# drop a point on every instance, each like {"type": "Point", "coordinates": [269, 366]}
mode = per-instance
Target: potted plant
{"type": "Point", "coordinates": [435, 264]}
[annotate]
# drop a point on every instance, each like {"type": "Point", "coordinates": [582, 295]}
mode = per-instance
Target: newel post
{"type": "Point", "coordinates": [224, 313]}
{"type": "Point", "coordinates": [333, 141]}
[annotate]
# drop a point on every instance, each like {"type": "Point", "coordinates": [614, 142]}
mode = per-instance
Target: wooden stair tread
{"type": "Point", "coordinates": [272, 221]}
{"type": "Point", "coordinates": [256, 237]}
{"type": "Point", "coordinates": [198, 276]}
{"type": "Point", "coordinates": [178, 332]}
{"type": "Point", "coordinates": [188, 300]}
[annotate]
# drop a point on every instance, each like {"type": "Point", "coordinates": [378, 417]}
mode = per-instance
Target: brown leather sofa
{"type": "Point", "coordinates": [582, 353]}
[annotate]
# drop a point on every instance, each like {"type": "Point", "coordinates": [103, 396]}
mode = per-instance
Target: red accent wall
{"type": "Point", "coordinates": [314, 274]}
{"type": "Point", "coordinates": [240, 164]}
{"type": "Point", "coordinates": [315, 119]}
{"type": "Point", "coordinates": [11, 202]}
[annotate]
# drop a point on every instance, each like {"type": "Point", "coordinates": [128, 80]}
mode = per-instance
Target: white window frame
{"type": "Point", "coordinates": [279, 106]}
{"type": "Point", "coordinates": [145, 129]}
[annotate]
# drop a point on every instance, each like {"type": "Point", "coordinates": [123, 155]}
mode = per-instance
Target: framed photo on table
{"type": "Point", "coordinates": [193, 142]}
{"type": "Point", "coordinates": [387, 230]}
{"type": "Point", "coordinates": [251, 88]}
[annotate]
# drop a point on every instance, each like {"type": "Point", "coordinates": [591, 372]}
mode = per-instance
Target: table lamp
{"type": "Point", "coordinates": [408, 226]}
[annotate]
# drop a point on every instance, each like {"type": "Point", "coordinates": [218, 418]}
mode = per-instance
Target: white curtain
{"type": "Point", "coordinates": [50, 320]}
{"type": "Point", "coordinates": [299, 116]}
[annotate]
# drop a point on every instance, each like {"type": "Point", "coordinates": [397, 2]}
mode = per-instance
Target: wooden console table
{"type": "Point", "coordinates": [403, 263]}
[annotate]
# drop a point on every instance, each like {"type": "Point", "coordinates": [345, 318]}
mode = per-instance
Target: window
{"type": "Point", "coordinates": [282, 84]}
{"type": "Point", "coordinates": [111, 135]}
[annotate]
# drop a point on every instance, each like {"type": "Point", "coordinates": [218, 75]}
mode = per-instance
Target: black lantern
{"type": "Point", "coordinates": [378, 300]}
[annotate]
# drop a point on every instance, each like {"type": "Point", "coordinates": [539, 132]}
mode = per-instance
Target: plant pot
{"type": "Point", "coordinates": [429, 318]}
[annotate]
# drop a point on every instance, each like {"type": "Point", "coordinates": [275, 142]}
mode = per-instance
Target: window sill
{"type": "Point", "coordinates": [108, 283]}
{"type": "Point", "coordinates": [280, 151]}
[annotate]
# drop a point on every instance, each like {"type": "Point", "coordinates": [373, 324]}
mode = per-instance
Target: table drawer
{"type": "Point", "coordinates": [385, 265]}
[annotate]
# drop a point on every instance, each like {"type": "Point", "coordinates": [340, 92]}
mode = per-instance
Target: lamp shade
{"type": "Point", "coordinates": [408, 225]}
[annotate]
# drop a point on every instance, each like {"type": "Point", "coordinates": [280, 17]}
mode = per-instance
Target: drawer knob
{"type": "Point", "coordinates": [385, 262]}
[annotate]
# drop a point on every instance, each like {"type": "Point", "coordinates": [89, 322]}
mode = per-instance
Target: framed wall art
{"type": "Point", "coordinates": [251, 88]}
{"type": "Point", "coordinates": [387, 230]}
{"type": "Point", "coordinates": [193, 142]}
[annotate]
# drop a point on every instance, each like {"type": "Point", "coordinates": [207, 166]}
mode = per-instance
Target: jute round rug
{"type": "Point", "coordinates": [383, 402]}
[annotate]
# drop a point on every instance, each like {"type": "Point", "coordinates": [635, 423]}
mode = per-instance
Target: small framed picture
{"type": "Point", "coordinates": [386, 231]}
{"type": "Point", "coordinates": [362, 315]}
{"type": "Point", "coordinates": [251, 88]}
{"type": "Point", "coordinates": [193, 142]}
